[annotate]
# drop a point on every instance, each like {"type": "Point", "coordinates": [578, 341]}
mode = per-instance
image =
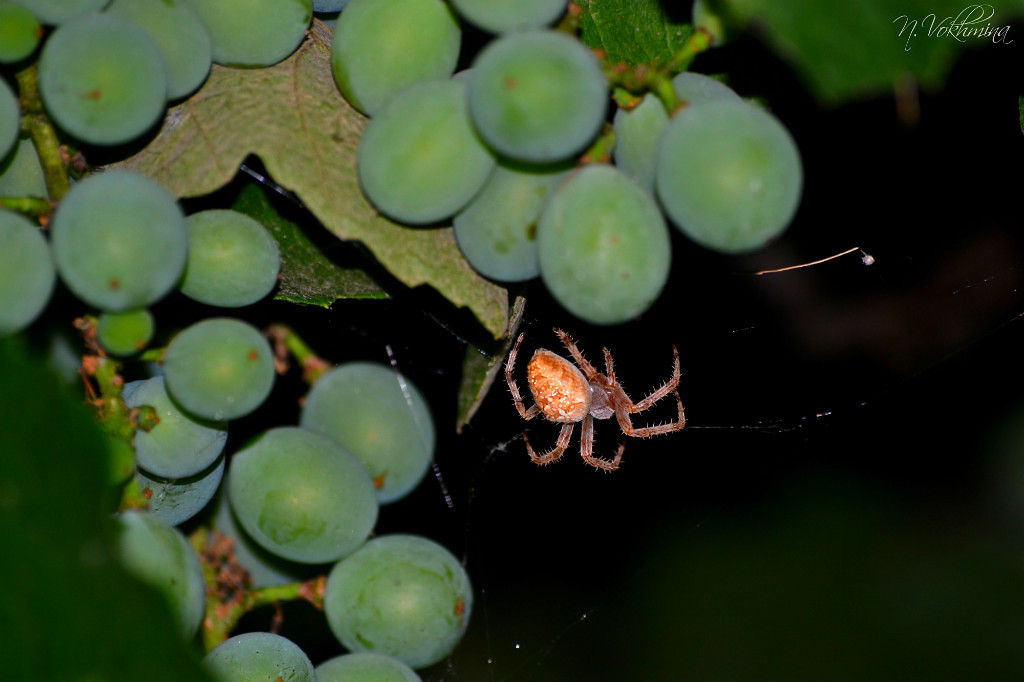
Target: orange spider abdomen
{"type": "Point", "coordinates": [560, 390]}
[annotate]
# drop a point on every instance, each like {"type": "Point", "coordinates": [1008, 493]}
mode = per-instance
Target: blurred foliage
{"type": "Point", "coordinates": [70, 611]}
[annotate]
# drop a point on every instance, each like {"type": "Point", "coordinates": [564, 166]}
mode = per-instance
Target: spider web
{"type": "Point", "coordinates": [848, 491]}
{"type": "Point", "coordinates": [847, 499]}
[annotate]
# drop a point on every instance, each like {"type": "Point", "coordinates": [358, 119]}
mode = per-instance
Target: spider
{"type": "Point", "coordinates": [566, 394]}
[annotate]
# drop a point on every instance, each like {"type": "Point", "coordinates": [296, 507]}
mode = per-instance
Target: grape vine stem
{"type": "Point", "coordinates": [228, 587]}
{"type": "Point", "coordinates": [44, 135]}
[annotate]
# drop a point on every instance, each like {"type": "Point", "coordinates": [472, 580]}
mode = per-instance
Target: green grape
{"type": "Point", "coordinates": [604, 246]}
{"type": "Point", "coordinates": [120, 462]}
{"type": "Point", "coordinates": [21, 174]}
{"type": "Point", "coordinates": [259, 656]}
{"type": "Point", "coordinates": [400, 595]}
{"type": "Point", "coordinates": [219, 369]}
{"type": "Point", "coordinates": [302, 496]}
{"type": "Point", "coordinates": [102, 79]}
{"type": "Point", "coordinates": [253, 32]}
{"type": "Point", "coordinates": [27, 276]}
{"type": "Point", "coordinates": [180, 445]}
{"type": "Point", "coordinates": [125, 333]}
{"type": "Point", "coordinates": [365, 666]}
{"type": "Point", "coordinates": [419, 160]}
{"type": "Point", "coordinates": [233, 260]}
{"type": "Point", "coordinates": [19, 32]}
{"type": "Point", "coordinates": [10, 118]}
{"type": "Point", "coordinates": [728, 175]}
{"type": "Point", "coordinates": [158, 554]}
{"type": "Point", "coordinates": [497, 230]}
{"type": "Point", "coordinates": [265, 569]}
{"type": "Point", "coordinates": [636, 140]}
{"type": "Point", "coordinates": [537, 96]}
{"type": "Point", "coordinates": [380, 417]}
{"type": "Point", "coordinates": [119, 240]}
{"type": "Point", "coordinates": [382, 46]}
{"type": "Point", "coordinates": [696, 87]}
{"type": "Point", "coordinates": [501, 16]}
{"type": "Point", "coordinates": [329, 6]}
{"type": "Point", "coordinates": [178, 500]}
{"type": "Point", "coordinates": [58, 11]}
{"type": "Point", "coordinates": [177, 32]}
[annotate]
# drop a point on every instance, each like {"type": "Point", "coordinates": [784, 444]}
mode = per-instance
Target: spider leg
{"type": "Point", "coordinates": [587, 449]}
{"type": "Point", "coordinates": [622, 416]}
{"type": "Point", "coordinates": [555, 453]}
{"type": "Point", "coordinates": [609, 368]}
{"type": "Point", "coordinates": [660, 392]}
{"type": "Point", "coordinates": [574, 351]}
{"type": "Point", "coordinates": [520, 407]}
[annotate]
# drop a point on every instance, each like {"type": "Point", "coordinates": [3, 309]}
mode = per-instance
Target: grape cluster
{"type": "Point", "coordinates": [521, 152]}
{"type": "Point", "coordinates": [497, 150]}
{"type": "Point", "coordinates": [109, 67]}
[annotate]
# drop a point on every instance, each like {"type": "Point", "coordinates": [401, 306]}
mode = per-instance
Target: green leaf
{"type": "Point", "coordinates": [292, 116]}
{"type": "Point", "coordinates": [307, 275]}
{"type": "Point", "coordinates": [633, 31]}
{"type": "Point", "coordinates": [72, 613]}
{"type": "Point", "coordinates": [846, 50]}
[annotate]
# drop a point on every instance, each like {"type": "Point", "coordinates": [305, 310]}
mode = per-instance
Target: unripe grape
{"type": "Point", "coordinates": [180, 445]}
{"type": "Point", "coordinates": [537, 96]}
{"type": "Point", "coordinates": [159, 555]}
{"type": "Point", "coordinates": [380, 417]}
{"type": "Point", "coordinates": [233, 260]}
{"type": "Point", "coordinates": [728, 175]}
{"type": "Point", "coordinates": [19, 32]}
{"type": "Point", "coordinates": [636, 140]}
{"type": "Point", "coordinates": [219, 369]}
{"type": "Point", "coordinates": [501, 16]}
{"type": "Point", "coordinates": [497, 230]}
{"type": "Point", "coordinates": [693, 87]}
{"type": "Point", "coordinates": [125, 333]}
{"type": "Point", "coordinates": [381, 46]}
{"type": "Point", "coordinates": [401, 595]}
{"type": "Point", "coordinates": [27, 276]}
{"type": "Point", "coordinates": [253, 32]}
{"type": "Point", "coordinates": [119, 240]}
{"type": "Point", "coordinates": [328, 6]}
{"type": "Point", "coordinates": [102, 79]}
{"type": "Point", "coordinates": [365, 666]}
{"type": "Point", "coordinates": [178, 500]}
{"type": "Point", "coordinates": [302, 496]}
{"type": "Point", "coordinates": [419, 159]}
{"type": "Point", "coordinates": [178, 33]}
{"type": "Point", "coordinates": [259, 656]}
{"type": "Point", "coordinates": [604, 246]}
{"type": "Point", "coordinates": [10, 118]}
{"type": "Point", "coordinates": [21, 174]}
{"type": "Point", "coordinates": [60, 11]}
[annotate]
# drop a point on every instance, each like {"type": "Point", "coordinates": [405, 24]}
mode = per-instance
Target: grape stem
{"type": "Point", "coordinates": [103, 383]}
{"type": "Point", "coordinates": [287, 341]}
{"type": "Point", "coordinates": [641, 78]}
{"type": "Point", "coordinates": [44, 135]}
{"type": "Point", "coordinates": [228, 586]}
{"type": "Point", "coordinates": [34, 207]}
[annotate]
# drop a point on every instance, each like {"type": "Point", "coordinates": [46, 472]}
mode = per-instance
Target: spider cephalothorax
{"type": "Point", "coordinates": [566, 393]}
